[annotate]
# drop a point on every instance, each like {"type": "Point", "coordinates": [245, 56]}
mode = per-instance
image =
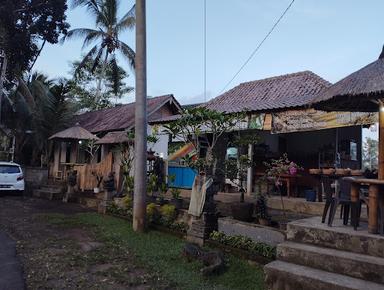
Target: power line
{"type": "Point", "coordinates": [258, 46]}
{"type": "Point", "coordinates": [205, 50]}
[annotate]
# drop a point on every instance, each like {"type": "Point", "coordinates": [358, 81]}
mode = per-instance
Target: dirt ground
{"type": "Point", "coordinates": [73, 258]}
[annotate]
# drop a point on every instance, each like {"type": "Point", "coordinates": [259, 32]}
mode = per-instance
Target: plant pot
{"type": "Point", "coordinates": [242, 211]}
{"type": "Point", "coordinates": [96, 190]}
{"type": "Point", "coordinates": [177, 202]}
{"type": "Point", "coordinates": [310, 195]}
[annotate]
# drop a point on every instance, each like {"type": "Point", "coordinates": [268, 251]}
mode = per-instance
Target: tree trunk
{"type": "Point", "coordinates": [2, 78]}
{"type": "Point", "coordinates": [102, 75]}
{"type": "Point", "coordinates": [139, 202]}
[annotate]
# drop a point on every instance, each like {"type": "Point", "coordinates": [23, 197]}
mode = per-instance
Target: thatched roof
{"type": "Point", "coordinates": [76, 132]}
{"type": "Point", "coordinates": [114, 138]}
{"type": "Point", "coordinates": [270, 94]}
{"type": "Point", "coordinates": [356, 92]}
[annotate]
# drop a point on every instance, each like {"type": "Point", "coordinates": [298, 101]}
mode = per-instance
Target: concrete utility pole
{"type": "Point", "coordinates": [3, 69]}
{"type": "Point", "coordinates": [139, 201]}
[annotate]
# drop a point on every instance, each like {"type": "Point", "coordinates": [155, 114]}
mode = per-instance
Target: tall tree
{"type": "Point", "coordinates": [37, 109]}
{"type": "Point", "coordinates": [25, 26]}
{"type": "Point", "coordinates": [140, 192]}
{"type": "Point", "coordinates": [84, 84]}
{"type": "Point", "coordinates": [370, 153]}
{"type": "Point", "coordinates": [105, 37]}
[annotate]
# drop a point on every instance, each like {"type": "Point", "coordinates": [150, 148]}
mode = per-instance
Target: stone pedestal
{"type": "Point", "coordinates": [102, 208]}
{"type": "Point", "coordinates": [201, 228]}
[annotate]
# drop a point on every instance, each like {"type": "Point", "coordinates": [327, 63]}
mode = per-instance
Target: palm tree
{"type": "Point", "coordinates": [36, 110]}
{"type": "Point", "coordinates": [106, 36]}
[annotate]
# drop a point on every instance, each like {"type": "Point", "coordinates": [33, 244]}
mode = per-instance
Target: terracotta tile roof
{"type": "Point", "coordinates": [285, 91]}
{"type": "Point", "coordinates": [120, 117]}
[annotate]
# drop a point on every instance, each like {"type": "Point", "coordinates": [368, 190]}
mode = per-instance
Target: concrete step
{"type": "Point", "coordinates": [52, 188]}
{"type": "Point", "coordinates": [359, 266]}
{"type": "Point", "coordinates": [340, 237]}
{"type": "Point", "coordinates": [47, 194]}
{"type": "Point", "coordinates": [286, 276]}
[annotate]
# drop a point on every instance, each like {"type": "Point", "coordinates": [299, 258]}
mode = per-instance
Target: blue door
{"type": "Point", "coordinates": [184, 176]}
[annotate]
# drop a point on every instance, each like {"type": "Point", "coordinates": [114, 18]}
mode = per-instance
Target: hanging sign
{"type": "Point", "coordinates": [311, 120]}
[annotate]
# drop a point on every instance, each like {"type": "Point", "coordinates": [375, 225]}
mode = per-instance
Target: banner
{"type": "Point", "coordinates": [311, 120]}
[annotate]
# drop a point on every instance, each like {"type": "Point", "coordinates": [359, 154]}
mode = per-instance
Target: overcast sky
{"type": "Point", "coordinates": [330, 37]}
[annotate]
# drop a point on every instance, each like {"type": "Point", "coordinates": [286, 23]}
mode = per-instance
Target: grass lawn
{"type": "Point", "coordinates": [161, 254]}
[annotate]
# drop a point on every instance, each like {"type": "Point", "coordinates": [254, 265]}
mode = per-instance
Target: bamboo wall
{"type": "Point", "coordinates": [85, 179]}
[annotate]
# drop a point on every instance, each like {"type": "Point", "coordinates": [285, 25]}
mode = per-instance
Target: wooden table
{"type": "Point", "coordinates": [375, 196]}
{"type": "Point", "coordinates": [287, 179]}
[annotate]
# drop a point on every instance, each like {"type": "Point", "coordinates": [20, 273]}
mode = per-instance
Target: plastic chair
{"type": "Point", "coordinates": [343, 197]}
{"type": "Point", "coordinates": [328, 193]}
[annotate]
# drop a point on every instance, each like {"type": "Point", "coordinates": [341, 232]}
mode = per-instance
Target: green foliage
{"type": "Point", "coordinates": [95, 89]}
{"type": "Point", "coordinates": [261, 208]}
{"type": "Point", "coordinates": [25, 26]}
{"type": "Point", "coordinates": [127, 201]}
{"type": "Point", "coordinates": [160, 252]}
{"type": "Point", "coordinates": [168, 214]}
{"type": "Point", "coordinates": [370, 153]}
{"type": "Point", "coordinates": [153, 215]}
{"type": "Point", "coordinates": [105, 40]}
{"type": "Point", "coordinates": [196, 124]}
{"type": "Point", "coordinates": [113, 209]}
{"type": "Point", "coordinates": [244, 243]}
{"type": "Point", "coordinates": [175, 192]}
{"type": "Point", "coordinates": [35, 111]}
{"type": "Point", "coordinates": [152, 183]}
{"type": "Point", "coordinates": [278, 167]}
{"type": "Point", "coordinates": [236, 169]}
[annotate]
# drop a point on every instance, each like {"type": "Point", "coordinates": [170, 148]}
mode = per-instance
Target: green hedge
{"type": "Point", "coordinates": [244, 243]}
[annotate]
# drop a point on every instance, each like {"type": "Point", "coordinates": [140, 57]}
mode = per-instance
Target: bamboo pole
{"type": "Point", "coordinates": [381, 142]}
{"type": "Point", "coordinates": [139, 201]}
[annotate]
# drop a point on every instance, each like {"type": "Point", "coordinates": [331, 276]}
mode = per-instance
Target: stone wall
{"type": "Point", "coordinates": [257, 233]}
{"type": "Point", "coordinates": [34, 177]}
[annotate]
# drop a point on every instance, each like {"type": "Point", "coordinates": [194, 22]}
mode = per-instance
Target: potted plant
{"type": "Point", "coordinates": [175, 192]}
{"type": "Point", "coordinates": [152, 186]}
{"type": "Point", "coordinates": [276, 168]}
{"type": "Point", "coordinates": [236, 171]}
{"type": "Point", "coordinates": [262, 211]}
{"type": "Point", "coordinates": [99, 179]}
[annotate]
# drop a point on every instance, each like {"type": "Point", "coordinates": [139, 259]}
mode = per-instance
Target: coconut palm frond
{"type": "Point", "coordinates": [128, 21]}
{"type": "Point", "coordinates": [92, 36]}
{"type": "Point", "coordinates": [89, 56]}
{"type": "Point", "coordinates": [116, 75]}
{"type": "Point", "coordinates": [92, 6]}
{"type": "Point", "coordinates": [97, 60]}
{"type": "Point", "coordinates": [128, 53]}
{"type": "Point", "coordinates": [78, 33]}
{"type": "Point", "coordinates": [24, 92]}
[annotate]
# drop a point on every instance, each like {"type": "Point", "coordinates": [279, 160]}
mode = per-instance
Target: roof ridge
{"type": "Point", "coordinates": [282, 76]}
{"type": "Point", "coordinates": [124, 105]}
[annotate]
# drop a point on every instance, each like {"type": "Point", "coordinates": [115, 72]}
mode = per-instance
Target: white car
{"type": "Point", "coordinates": [11, 177]}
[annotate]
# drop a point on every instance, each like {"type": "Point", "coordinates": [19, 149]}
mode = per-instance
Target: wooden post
{"type": "Point", "coordinates": [381, 142]}
{"type": "Point", "coordinates": [373, 204]}
{"type": "Point", "coordinates": [250, 171]}
{"type": "Point", "coordinates": [355, 192]}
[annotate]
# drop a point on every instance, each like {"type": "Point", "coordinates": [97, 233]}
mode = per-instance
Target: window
{"type": "Point", "coordinates": [9, 169]}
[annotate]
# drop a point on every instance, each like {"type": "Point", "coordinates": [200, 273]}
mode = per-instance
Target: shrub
{"type": "Point", "coordinates": [168, 214]}
{"type": "Point", "coordinates": [127, 201]}
{"type": "Point", "coordinates": [113, 209]}
{"type": "Point", "coordinates": [244, 243]}
{"type": "Point", "coordinates": [152, 213]}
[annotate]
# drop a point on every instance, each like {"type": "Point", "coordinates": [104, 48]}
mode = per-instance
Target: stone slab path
{"type": "Point", "coordinates": [11, 273]}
